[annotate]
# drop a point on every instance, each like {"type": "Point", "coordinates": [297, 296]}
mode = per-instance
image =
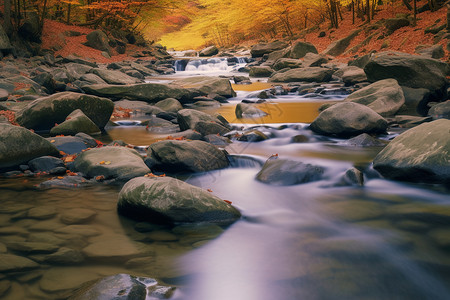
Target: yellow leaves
{"type": "Point", "coordinates": [105, 162]}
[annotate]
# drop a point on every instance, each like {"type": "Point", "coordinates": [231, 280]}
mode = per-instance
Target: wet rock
{"type": "Point", "coordinates": [65, 279]}
{"type": "Point", "coordinates": [186, 134]}
{"type": "Point", "coordinates": [32, 247]}
{"type": "Point", "coordinates": [244, 110]}
{"type": "Point", "coordinates": [440, 111]}
{"type": "Point", "coordinates": [352, 75]}
{"type": "Point", "coordinates": [114, 77]}
{"type": "Point", "coordinates": [409, 70]}
{"type": "Point", "coordinates": [119, 163]}
{"type": "Point", "coordinates": [209, 51]}
{"type": "Point", "coordinates": [353, 210]}
{"type": "Point", "coordinates": [352, 177]}
{"type": "Point", "coordinates": [148, 92]}
{"type": "Point", "coordinates": [14, 263]}
{"type": "Point", "coordinates": [68, 144]}
{"type": "Point", "coordinates": [385, 97]}
{"type": "Point", "coordinates": [43, 113]}
{"type": "Point", "coordinates": [311, 74]}
{"type": "Point", "coordinates": [201, 122]}
{"type": "Point", "coordinates": [156, 124]}
{"type": "Point", "coordinates": [208, 85]}
{"type": "Point", "coordinates": [347, 119]}
{"type": "Point", "coordinates": [65, 256]}
{"type": "Point", "coordinates": [365, 140]}
{"type": "Point", "coordinates": [252, 136]}
{"type": "Point", "coordinates": [66, 182]}
{"type": "Point", "coordinates": [170, 105]}
{"type": "Point", "coordinates": [5, 285]}
{"type": "Point", "coordinates": [77, 216]}
{"type": "Point", "coordinates": [416, 101]}
{"type": "Point", "coordinates": [300, 138]}
{"type": "Point", "coordinates": [216, 140]}
{"type": "Point", "coordinates": [75, 123]}
{"type": "Point", "coordinates": [259, 50]}
{"type": "Point", "coordinates": [48, 164]}
{"type": "Point", "coordinates": [409, 121]}
{"type": "Point", "coordinates": [431, 214]}
{"type": "Point", "coordinates": [83, 230]}
{"type": "Point", "coordinates": [187, 156]}
{"type": "Point", "coordinates": [19, 145]}
{"type": "Point", "coordinates": [260, 71]}
{"type": "Point", "coordinates": [41, 212]}
{"type": "Point", "coordinates": [168, 200]}
{"type": "Point", "coordinates": [111, 247]}
{"type": "Point", "coordinates": [423, 159]}
{"type": "Point", "coordinates": [288, 172]}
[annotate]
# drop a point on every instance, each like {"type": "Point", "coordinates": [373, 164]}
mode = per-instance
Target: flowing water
{"type": "Point", "coordinates": [320, 240]}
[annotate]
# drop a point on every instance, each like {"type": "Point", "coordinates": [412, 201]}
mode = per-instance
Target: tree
{"type": "Point", "coordinates": [7, 15]}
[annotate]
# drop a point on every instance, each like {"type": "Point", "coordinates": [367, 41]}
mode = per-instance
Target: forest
{"type": "Point", "coordinates": [187, 24]}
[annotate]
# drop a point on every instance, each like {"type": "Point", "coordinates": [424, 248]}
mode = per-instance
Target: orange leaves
{"type": "Point", "coordinates": [69, 158]}
{"type": "Point", "coordinates": [120, 112]}
{"type": "Point", "coordinates": [10, 115]}
{"type": "Point", "coordinates": [229, 202]}
{"type": "Point", "coordinates": [153, 175]}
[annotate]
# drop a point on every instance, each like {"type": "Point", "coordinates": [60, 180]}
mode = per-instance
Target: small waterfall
{"type": "Point", "coordinates": [215, 64]}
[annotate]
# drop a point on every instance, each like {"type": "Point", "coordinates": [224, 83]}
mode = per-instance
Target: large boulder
{"type": "Point", "coordinates": [98, 40]}
{"type": "Point", "coordinates": [260, 71]}
{"type": "Point", "coordinates": [19, 145]}
{"type": "Point", "coordinates": [169, 200]}
{"type": "Point", "coordinates": [4, 40]}
{"type": "Point", "coordinates": [112, 162]}
{"type": "Point", "coordinates": [169, 105]}
{"type": "Point", "coordinates": [351, 75]}
{"type": "Point", "coordinates": [416, 101]}
{"type": "Point", "coordinates": [209, 51]}
{"type": "Point", "coordinates": [201, 122]}
{"type": "Point", "coordinates": [431, 51]}
{"type": "Point", "coordinates": [395, 23]}
{"type": "Point", "coordinates": [148, 92]}
{"type": "Point", "coordinates": [338, 47]}
{"type": "Point", "coordinates": [413, 71]}
{"type": "Point", "coordinates": [186, 156]}
{"type": "Point", "coordinates": [76, 122]}
{"type": "Point", "coordinates": [208, 85]}
{"type": "Point", "coordinates": [283, 63]}
{"type": "Point", "coordinates": [420, 154]}
{"type": "Point", "coordinates": [289, 172]}
{"type": "Point", "coordinates": [348, 119]}
{"type": "Point", "coordinates": [312, 74]}
{"type": "Point", "coordinates": [300, 49]}
{"type": "Point", "coordinates": [385, 97]}
{"type": "Point", "coordinates": [259, 50]}
{"type": "Point", "coordinates": [43, 113]}
{"type": "Point", "coordinates": [114, 77]}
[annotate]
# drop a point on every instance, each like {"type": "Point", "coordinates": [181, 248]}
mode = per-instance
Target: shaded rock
{"type": "Point", "coordinates": [312, 74]}
{"type": "Point", "coordinates": [314, 60]}
{"type": "Point", "coordinates": [352, 75]}
{"type": "Point", "coordinates": [347, 119]}
{"type": "Point", "coordinates": [48, 164]}
{"type": "Point", "coordinates": [431, 51]}
{"type": "Point", "coordinates": [288, 172]}
{"type": "Point", "coordinates": [92, 79]}
{"type": "Point", "coordinates": [14, 263]}
{"type": "Point", "coordinates": [98, 40]}
{"type": "Point", "coordinates": [41, 213]}
{"type": "Point", "coordinates": [65, 279]}
{"type": "Point", "coordinates": [338, 47]}
{"type": "Point", "coordinates": [4, 40]}
{"type": "Point", "coordinates": [440, 111]}
{"type": "Point", "coordinates": [352, 177]}
{"type": "Point", "coordinates": [169, 105]}
{"type": "Point", "coordinates": [409, 70]}
{"type": "Point", "coordinates": [300, 49]}
{"type": "Point", "coordinates": [83, 230]}
{"type": "Point", "coordinates": [416, 101]}
{"type": "Point", "coordinates": [65, 256]}
{"type": "Point", "coordinates": [187, 156]}
{"type": "Point", "coordinates": [69, 144]}
{"type": "Point", "coordinates": [385, 97]}
{"type": "Point", "coordinates": [252, 136]}
{"type": "Point", "coordinates": [202, 122]}
{"type": "Point", "coordinates": [260, 71]}
{"type": "Point", "coordinates": [209, 51]}
{"type": "Point", "coordinates": [283, 63]}
{"type": "Point", "coordinates": [75, 123]}
{"type": "Point", "coordinates": [395, 23]}
{"type": "Point", "coordinates": [119, 163]}
{"type": "Point", "coordinates": [114, 77]}
{"type": "Point", "coordinates": [32, 247]}
{"type": "Point", "coordinates": [168, 200]}
{"type": "Point", "coordinates": [208, 85]}
{"type": "Point", "coordinates": [77, 216]}
{"type": "Point", "coordinates": [216, 140]}
{"type": "Point", "coordinates": [365, 140]}
{"type": "Point", "coordinates": [148, 92]}
{"type": "Point", "coordinates": [423, 159]}
{"type": "Point", "coordinates": [4, 94]}
{"type": "Point", "coordinates": [77, 70]}
{"type": "Point", "coordinates": [43, 113]}
{"type": "Point", "coordinates": [113, 247]}
{"type": "Point", "coordinates": [244, 110]}
{"type": "Point", "coordinates": [259, 50]}
{"type": "Point", "coordinates": [156, 124]}
{"type": "Point", "coordinates": [406, 121]}
{"type": "Point", "coordinates": [19, 145]}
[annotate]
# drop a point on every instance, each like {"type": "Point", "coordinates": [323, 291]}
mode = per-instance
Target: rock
{"type": "Point", "coordinates": [314, 60]}
{"type": "Point", "coordinates": [312, 74]}
{"type": "Point", "coordinates": [46, 80]}
{"type": "Point", "coordinates": [69, 144]}
{"type": "Point", "coordinates": [406, 121]}
{"type": "Point", "coordinates": [83, 230]}
{"type": "Point", "coordinates": [209, 51]}
{"type": "Point", "coordinates": [91, 79]}
{"type": "Point", "coordinates": [416, 101]}
{"type": "Point", "coordinates": [65, 256]}
{"type": "Point", "coordinates": [19, 145]}
{"type": "Point", "coordinates": [352, 75]}
{"type": "Point", "coordinates": [300, 49]}
{"type": "Point", "coordinates": [113, 247]}
{"type": "Point", "coordinates": [32, 247]}
{"type": "Point", "coordinates": [353, 176]}
{"type": "Point", "coordinates": [155, 124]}
{"type": "Point", "coordinates": [168, 200]}
{"type": "Point", "coordinates": [148, 92]}
{"type": "Point", "coordinates": [245, 110]}
{"type": "Point", "coordinates": [119, 163]}
{"type": "Point", "coordinates": [260, 71]}
{"type": "Point", "coordinates": [66, 182]}
{"type": "Point", "coordinates": [394, 24]}
{"type": "Point", "coordinates": [202, 122]}
{"type": "Point", "coordinates": [4, 94]}
{"type": "Point", "coordinates": [48, 164]}
{"type": "Point", "coordinates": [4, 40]}
{"type": "Point", "coordinates": [65, 280]}
{"type": "Point", "coordinates": [98, 40]}
{"type": "Point", "coordinates": [365, 140]}
{"type": "Point", "coordinates": [170, 105]}
{"type": "Point", "coordinates": [431, 51]}
{"type": "Point", "coordinates": [288, 172]}
{"type": "Point", "coordinates": [219, 141]}
{"type": "Point", "coordinates": [115, 77]}
{"type": "Point", "coordinates": [208, 85]}
{"type": "Point", "coordinates": [30, 28]}
{"type": "Point", "coordinates": [252, 136]}
{"type": "Point", "coordinates": [283, 63]}
{"type": "Point", "coordinates": [43, 113]}
{"type": "Point", "coordinates": [347, 119]}
{"type": "Point", "coordinates": [41, 213]}
{"type": "Point", "coordinates": [409, 70]}
{"type": "Point", "coordinates": [187, 156]}
{"type": "Point", "coordinates": [14, 263]}
{"type": "Point", "coordinates": [259, 50]}
{"type": "Point", "coordinates": [76, 122]}
{"type": "Point", "coordinates": [77, 216]}
{"type": "Point", "coordinates": [338, 47]}
{"type": "Point", "coordinates": [77, 70]}
{"type": "Point", "coordinates": [423, 159]}
{"type": "Point", "coordinates": [440, 111]}
{"type": "Point", "coordinates": [385, 97]}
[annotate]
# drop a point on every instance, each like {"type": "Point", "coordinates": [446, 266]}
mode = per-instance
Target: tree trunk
{"type": "Point", "coordinates": [353, 12]}
{"type": "Point", "coordinates": [415, 12]}
{"type": "Point", "coordinates": [368, 10]}
{"type": "Point", "coordinates": [8, 25]}
{"type": "Point", "coordinates": [69, 8]}
{"type": "Point", "coordinates": [448, 17]}
{"type": "Point", "coordinates": [44, 14]}
{"type": "Point", "coordinates": [408, 6]}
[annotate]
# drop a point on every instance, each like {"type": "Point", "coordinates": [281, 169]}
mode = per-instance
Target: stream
{"type": "Point", "coordinates": [319, 240]}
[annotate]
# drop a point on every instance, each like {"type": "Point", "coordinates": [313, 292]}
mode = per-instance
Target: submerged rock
{"type": "Point", "coordinates": [49, 164]}
{"type": "Point", "coordinates": [289, 172]}
{"type": "Point", "coordinates": [14, 263]}
{"type": "Point", "coordinates": [420, 154]}
{"type": "Point", "coordinates": [168, 200]}
{"type": "Point", "coordinates": [169, 105]}
{"type": "Point", "coordinates": [347, 119]}
{"type": "Point", "coordinates": [365, 140]}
